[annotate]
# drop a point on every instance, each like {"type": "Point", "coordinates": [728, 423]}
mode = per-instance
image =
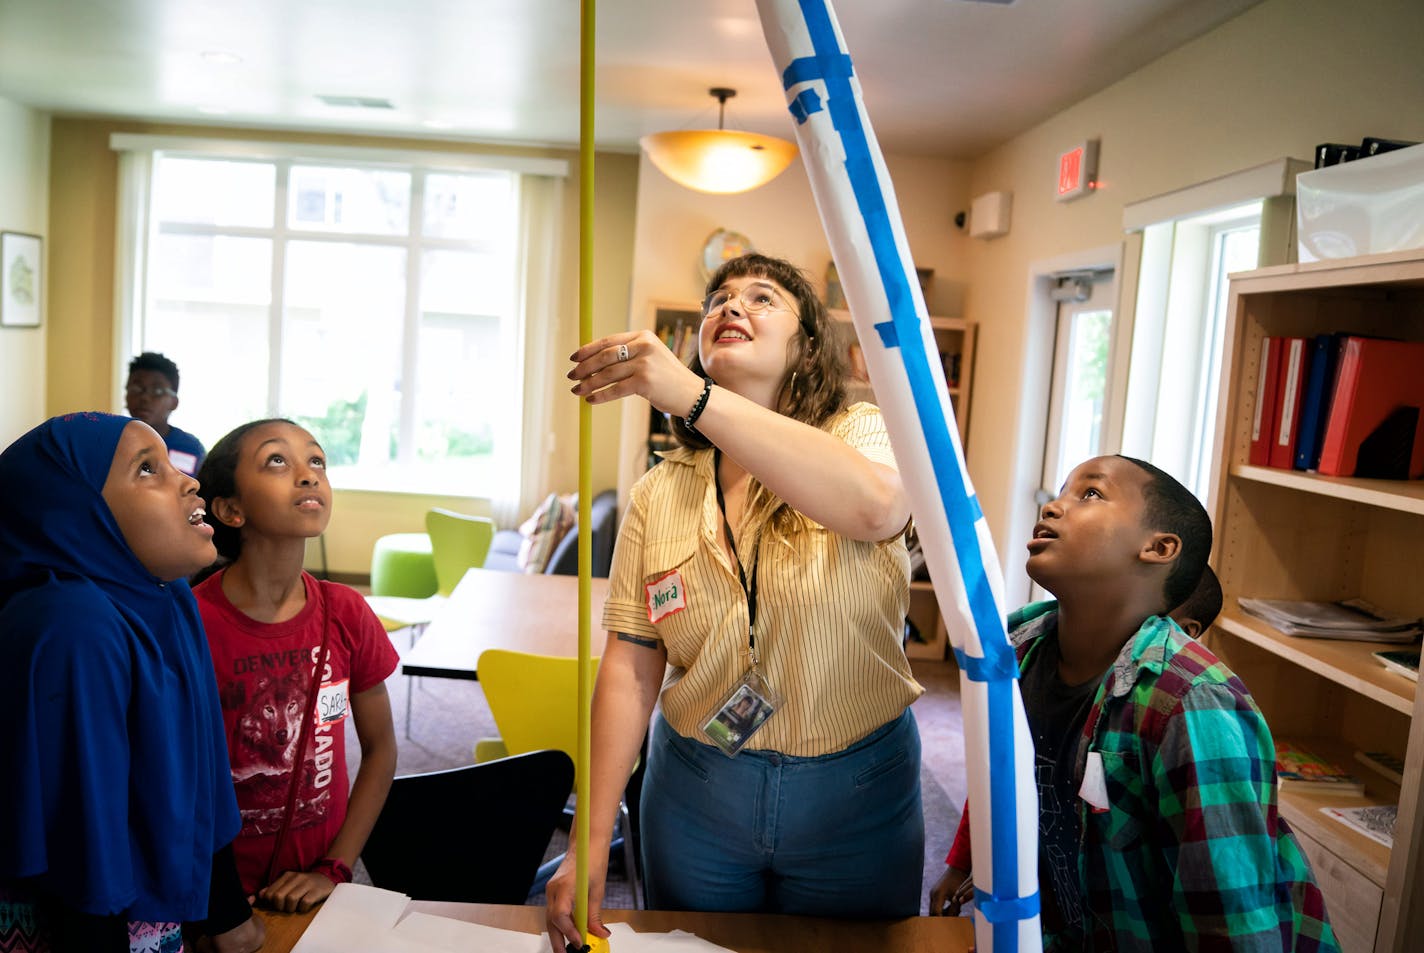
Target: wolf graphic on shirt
{"type": "Point", "coordinates": [263, 748]}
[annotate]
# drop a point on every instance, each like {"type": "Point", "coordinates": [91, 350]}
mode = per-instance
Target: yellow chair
{"type": "Point", "coordinates": [458, 542]}
{"type": "Point", "coordinates": [534, 700]}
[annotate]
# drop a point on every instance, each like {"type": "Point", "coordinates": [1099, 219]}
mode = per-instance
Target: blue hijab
{"type": "Point", "coordinates": [116, 788]}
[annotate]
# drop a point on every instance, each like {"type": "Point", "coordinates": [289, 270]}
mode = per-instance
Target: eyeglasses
{"type": "Point", "coordinates": [138, 390]}
{"type": "Point", "coordinates": [756, 298]}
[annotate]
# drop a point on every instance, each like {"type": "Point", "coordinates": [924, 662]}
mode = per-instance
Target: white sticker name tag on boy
{"type": "Point", "coordinates": [1094, 789]}
{"type": "Point", "coordinates": [333, 702]}
{"type": "Point", "coordinates": [666, 595]}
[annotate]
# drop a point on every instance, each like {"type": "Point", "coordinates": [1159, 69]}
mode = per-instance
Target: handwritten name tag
{"type": "Point", "coordinates": [666, 595]}
{"type": "Point", "coordinates": [333, 703]}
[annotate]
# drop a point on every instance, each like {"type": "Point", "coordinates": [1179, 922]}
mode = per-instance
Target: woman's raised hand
{"type": "Point", "coordinates": [634, 363]}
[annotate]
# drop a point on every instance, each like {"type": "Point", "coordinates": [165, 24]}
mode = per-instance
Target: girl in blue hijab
{"type": "Point", "coordinates": [116, 797]}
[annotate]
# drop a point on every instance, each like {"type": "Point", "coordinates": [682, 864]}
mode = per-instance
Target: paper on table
{"type": "Point", "coordinates": [357, 917]}
{"type": "Point", "coordinates": [458, 936]}
{"type": "Point", "coordinates": [626, 940]}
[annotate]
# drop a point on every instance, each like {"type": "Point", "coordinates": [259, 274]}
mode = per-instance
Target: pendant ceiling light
{"type": "Point", "coordinates": [721, 161]}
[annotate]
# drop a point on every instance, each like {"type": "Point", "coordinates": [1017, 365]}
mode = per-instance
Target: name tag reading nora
{"type": "Point", "coordinates": [333, 703]}
{"type": "Point", "coordinates": [666, 595]}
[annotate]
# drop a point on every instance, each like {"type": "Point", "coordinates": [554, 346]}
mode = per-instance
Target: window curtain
{"type": "Point", "coordinates": [130, 251]}
{"type": "Point", "coordinates": [540, 205]}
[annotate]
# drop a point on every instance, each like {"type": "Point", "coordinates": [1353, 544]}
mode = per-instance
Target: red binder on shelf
{"type": "Point", "coordinates": [1294, 364]}
{"type": "Point", "coordinates": [1263, 420]}
{"type": "Point", "coordinates": [1376, 379]}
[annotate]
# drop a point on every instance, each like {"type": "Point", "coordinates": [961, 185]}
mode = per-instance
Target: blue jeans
{"type": "Point", "coordinates": [842, 835]}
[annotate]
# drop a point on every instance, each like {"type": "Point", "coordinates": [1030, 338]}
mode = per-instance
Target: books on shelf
{"type": "Point", "coordinates": [1295, 363]}
{"type": "Point", "coordinates": [1315, 406]}
{"type": "Point", "coordinates": [1263, 420]}
{"type": "Point", "coordinates": [1353, 619]}
{"type": "Point", "coordinates": [1375, 427]}
{"type": "Point", "coordinates": [1375, 821]}
{"type": "Point", "coordinates": [1403, 662]}
{"type": "Point", "coordinates": [1300, 769]}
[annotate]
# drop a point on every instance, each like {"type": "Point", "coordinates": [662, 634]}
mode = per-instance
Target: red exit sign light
{"type": "Point", "coordinates": [1077, 170]}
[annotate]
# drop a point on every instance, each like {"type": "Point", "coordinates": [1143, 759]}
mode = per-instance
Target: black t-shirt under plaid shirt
{"type": "Point", "coordinates": [1056, 713]}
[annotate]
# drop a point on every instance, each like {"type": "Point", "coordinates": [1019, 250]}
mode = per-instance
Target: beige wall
{"type": "Point", "coordinates": [80, 357]}
{"type": "Point", "coordinates": [1274, 82]}
{"type": "Point", "coordinates": [24, 178]}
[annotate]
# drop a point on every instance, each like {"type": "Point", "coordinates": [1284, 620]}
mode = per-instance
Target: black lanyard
{"type": "Point", "coordinates": [750, 590]}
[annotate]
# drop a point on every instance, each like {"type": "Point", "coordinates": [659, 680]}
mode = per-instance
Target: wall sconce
{"type": "Point", "coordinates": [719, 161]}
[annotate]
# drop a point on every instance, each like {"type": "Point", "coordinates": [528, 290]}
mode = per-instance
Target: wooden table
{"type": "Point", "coordinates": [743, 932]}
{"type": "Point", "coordinates": [492, 609]}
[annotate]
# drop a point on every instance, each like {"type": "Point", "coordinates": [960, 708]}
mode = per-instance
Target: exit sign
{"type": "Point", "coordinates": [1078, 170]}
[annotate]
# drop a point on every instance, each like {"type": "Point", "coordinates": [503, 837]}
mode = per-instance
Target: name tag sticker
{"type": "Point", "coordinates": [1094, 789]}
{"type": "Point", "coordinates": [666, 595]}
{"type": "Point", "coordinates": [333, 703]}
{"type": "Point", "coordinates": [186, 462]}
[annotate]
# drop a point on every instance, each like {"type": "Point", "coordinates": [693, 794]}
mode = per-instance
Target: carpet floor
{"type": "Point", "coordinates": [447, 716]}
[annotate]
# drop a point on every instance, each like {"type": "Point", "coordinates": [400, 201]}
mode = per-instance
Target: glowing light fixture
{"type": "Point", "coordinates": [720, 161]}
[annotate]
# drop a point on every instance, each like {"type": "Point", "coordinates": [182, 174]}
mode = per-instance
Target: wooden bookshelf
{"type": "Point", "coordinates": [1288, 534]}
{"type": "Point", "coordinates": [955, 341]}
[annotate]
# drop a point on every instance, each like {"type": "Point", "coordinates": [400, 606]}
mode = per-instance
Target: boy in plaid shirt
{"type": "Point", "coordinates": [1158, 826]}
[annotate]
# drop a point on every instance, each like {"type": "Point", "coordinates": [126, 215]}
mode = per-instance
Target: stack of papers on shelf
{"type": "Point", "coordinates": [1352, 619]}
{"type": "Point", "coordinates": [1375, 821]}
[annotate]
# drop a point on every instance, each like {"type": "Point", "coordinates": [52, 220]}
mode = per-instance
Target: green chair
{"type": "Point", "coordinates": [402, 565]}
{"type": "Point", "coordinates": [458, 542]}
{"type": "Point", "coordinates": [534, 701]}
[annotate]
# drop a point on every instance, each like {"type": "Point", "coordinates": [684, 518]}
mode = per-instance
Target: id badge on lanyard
{"type": "Point", "coordinates": [752, 700]}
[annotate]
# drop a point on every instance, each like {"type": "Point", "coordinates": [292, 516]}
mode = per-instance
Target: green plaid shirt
{"type": "Point", "coordinates": [1191, 853]}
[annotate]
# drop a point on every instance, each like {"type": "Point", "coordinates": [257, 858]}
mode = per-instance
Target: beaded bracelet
{"type": "Point", "coordinates": [699, 406]}
{"type": "Point", "coordinates": [332, 869]}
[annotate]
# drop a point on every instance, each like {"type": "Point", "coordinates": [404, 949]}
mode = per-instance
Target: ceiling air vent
{"type": "Point", "coordinates": [357, 102]}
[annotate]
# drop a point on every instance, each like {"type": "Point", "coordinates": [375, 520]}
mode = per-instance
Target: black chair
{"type": "Point", "coordinates": [474, 834]}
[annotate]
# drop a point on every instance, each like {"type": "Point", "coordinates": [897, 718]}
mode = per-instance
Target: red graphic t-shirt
{"type": "Point", "coordinates": [265, 674]}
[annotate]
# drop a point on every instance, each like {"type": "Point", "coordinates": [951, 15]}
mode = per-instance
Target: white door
{"type": "Point", "coordinates": [1081, 353]}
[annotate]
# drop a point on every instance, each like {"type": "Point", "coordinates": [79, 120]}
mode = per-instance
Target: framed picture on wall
{"type": "Point", "coordinates": [20, 280]}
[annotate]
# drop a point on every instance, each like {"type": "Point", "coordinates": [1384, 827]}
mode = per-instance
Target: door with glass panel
{"type": "Point", "coordinates": [1077, 391]}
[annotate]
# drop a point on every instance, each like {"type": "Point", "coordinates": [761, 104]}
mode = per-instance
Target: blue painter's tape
{"type": "Point", "coordinates": [984, 669]}
{"type": "Point", "coordinates": [806, 103]}
{"type": "Point", "coordinates": [807, 69]}
{"type": "Point", "coordinates": [961, 510]}
{"type": "Point", "coordinates": [888, 336]}
{"type": "Point", "coordinates": [1006, 909]}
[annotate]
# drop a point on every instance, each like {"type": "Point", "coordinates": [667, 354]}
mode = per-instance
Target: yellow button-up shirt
{"type": "Point", "coordinates": [830, 610]}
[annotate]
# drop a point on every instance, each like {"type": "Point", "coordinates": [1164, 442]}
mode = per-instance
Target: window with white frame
{"type": "Point", "coordinates": [381, 304]}
{"type": "Point", "coordinates": [1192, 240]}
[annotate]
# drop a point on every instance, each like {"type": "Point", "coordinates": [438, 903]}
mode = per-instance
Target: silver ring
{"type": "Point", "coordinates": [622, 353]}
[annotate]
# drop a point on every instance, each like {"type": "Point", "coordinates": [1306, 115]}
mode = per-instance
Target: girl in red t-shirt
{"type": "Point", "coordinates": [293, 657]}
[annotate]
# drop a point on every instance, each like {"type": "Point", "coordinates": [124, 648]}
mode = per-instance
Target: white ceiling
{"type": "Point", "coordinates": [949, 78]}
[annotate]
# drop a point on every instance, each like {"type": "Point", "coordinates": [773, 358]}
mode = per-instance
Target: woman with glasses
{"type": "Point", "coordinates": [762, 566]}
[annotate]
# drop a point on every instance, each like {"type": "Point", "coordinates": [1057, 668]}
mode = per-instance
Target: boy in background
{"type": "Point", "coordinates": [151, 395]}
{"type": "Point", "coordinates": [1158, 822]}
